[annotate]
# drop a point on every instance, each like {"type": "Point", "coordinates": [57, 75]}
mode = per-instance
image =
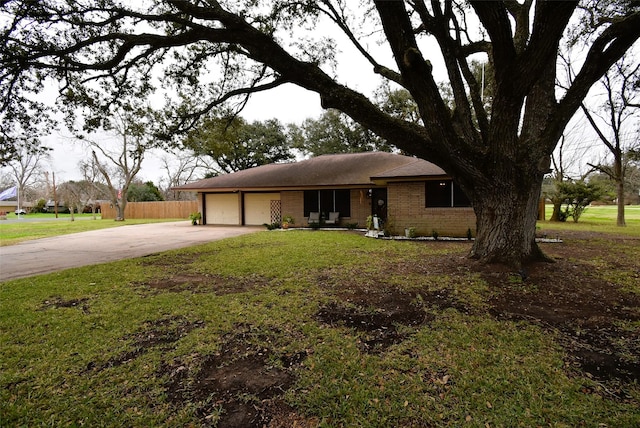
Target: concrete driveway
{"type": "Point", "coordinates": [100, 246]}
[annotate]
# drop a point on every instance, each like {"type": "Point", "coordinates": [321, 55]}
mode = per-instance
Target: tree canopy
{"type": "Point", "coordinates": [217, 52]}
{"type": "Point", "coordinates": [144, 192]}
{"type": "Point", "coordinates": [234, 145]}
{"type": "Point", "coordinates": [333, 132]}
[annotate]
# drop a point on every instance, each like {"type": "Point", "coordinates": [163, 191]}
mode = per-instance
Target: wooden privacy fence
{"type": "Point", "coordinates": [163, 209]}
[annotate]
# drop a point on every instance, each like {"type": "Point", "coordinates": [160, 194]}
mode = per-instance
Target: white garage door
{"type": "Point", "coordinates": [222, 208]}
{"type": "Point", "coordinates": [257, 208]}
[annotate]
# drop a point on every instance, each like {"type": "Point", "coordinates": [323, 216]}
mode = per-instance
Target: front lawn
{"type": "Point", "coordinates": [309, 328]}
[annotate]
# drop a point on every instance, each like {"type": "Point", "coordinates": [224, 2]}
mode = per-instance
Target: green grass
{"type": "Point", "coordinates": [14, 232]}
{"type": "Point", "coordinates": [460, 369]}
{"type": "Point", "coordinates": [598, 219]}
{"type": "Point", "coordinates": [603, 214]}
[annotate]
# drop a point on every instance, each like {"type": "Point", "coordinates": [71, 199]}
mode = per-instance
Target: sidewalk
{"type": "Point", "coordinates": [100, 246]}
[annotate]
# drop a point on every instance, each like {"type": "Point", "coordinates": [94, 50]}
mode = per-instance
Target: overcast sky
{"type": "Point", "coordinates": [287, 104]}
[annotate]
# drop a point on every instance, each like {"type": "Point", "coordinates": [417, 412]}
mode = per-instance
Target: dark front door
{"type": "Point", "coordinates": [379, 203]}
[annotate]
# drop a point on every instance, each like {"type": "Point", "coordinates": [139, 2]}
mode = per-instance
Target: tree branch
{"type": "Point", "coordinates": [596, 128]}
{"type": "Point", "coordinates": [418, 77]}
{"type": "Point", "coordinates": [495, 20]}
{"type": "Point", "coordinates": [189, 120]}
{"type": "Point", "coordinates": [604, 52]}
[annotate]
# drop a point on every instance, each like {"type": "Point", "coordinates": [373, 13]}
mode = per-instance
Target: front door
{"type": "Point", "coordinates": [379, 203]}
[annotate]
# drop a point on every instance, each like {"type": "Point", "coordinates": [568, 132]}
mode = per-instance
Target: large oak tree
{"type": "Point", "coordinates": [214, 51]}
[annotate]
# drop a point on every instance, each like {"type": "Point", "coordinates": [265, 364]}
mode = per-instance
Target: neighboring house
{"type": "Point", "coordinates": [403, 191]}
{"type": "Point", "coordinates": [50, 206]}
{"type": "Point", "coordinates": [10, 207]}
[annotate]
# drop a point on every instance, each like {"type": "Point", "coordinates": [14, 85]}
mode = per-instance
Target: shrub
{"type": "Point", "coordinates": [370, 222]}
{"type": "Point", "coordinates": [271, 226]}
{"type": "Point", "coordinates": [195, 217]}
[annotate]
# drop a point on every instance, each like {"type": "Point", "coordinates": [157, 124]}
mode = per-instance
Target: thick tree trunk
{"type": "Point", "coordinates": [120, 206]}
{"type": "Point", "coordinates": [557, 206]}
{"type": "Point", "coordinates": [620, 197]}
{"type": "Point", "coordinates": [618, 176]}
{"type": "Point", "coordinates": [506, 224]}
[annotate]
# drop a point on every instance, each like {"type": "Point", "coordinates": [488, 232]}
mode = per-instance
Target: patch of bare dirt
{"type": "Point", "coordinates": [203, 283]}
{"type": "Point", "coordinates": [378, 315]}
{"type": "Point", "coordinates": [242, 385]}
{"type": "Point", "coordinates": [585, 311]}
{"type": "Point", "coordinates": [239, 386]}
{"type": "Point", "coordinates": [161, 333]}
{"type": "Point", "coordinates": [57, 302]}
{"type": "Point", "coordinates": [367, 302]}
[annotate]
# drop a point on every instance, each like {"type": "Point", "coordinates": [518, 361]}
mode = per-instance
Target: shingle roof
{"type": "Point", "coordinates": [351, 169]}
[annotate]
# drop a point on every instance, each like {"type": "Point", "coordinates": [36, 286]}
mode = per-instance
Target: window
{"type": "Point", "coordinates": [444, 193]}
{"type": "Point", "coordinates": [326, 201]}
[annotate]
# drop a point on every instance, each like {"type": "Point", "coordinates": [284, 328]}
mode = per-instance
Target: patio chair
{"type": "Point", "coordinates": [333, 218]}
{"type": "Point", "coordinates": [314, 217]}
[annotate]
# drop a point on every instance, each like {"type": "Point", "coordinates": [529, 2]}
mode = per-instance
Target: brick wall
{"type": "Point", "coordinates": [293, 205]}
{"type": "Point", "coordinates": [406, 208]}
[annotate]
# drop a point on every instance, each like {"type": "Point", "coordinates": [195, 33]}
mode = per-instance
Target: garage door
{"type": "Point", "coordinates": [222, 208]}
{"type": "Point", "coordinates": [257, 208]}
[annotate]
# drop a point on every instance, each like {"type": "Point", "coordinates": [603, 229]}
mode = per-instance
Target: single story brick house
{"type": "Point", "coordinates": [403, 191]}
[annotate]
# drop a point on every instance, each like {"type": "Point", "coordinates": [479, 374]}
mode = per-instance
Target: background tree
{"type": "Point", "coordinates": [71, 192]}
{"type": "Point", "coordinates": [334, 132]}
{"type": "Point", "coordinates": [398, 103]}
{"type": "Point", "coordinates": [92, 187]}
{"type": "Point", "coordinates": [144, 192]}
{"type": "Point", "coordinates": [617, 123]}
{"type": "Point", "coordinates": [498, 155]}
{"type": "Point", "coordinates": [180, 169]}
{"type": "Point", "coordinates": [234, 145]}
{"type": "Point", "coordinates": [550, 186]}
{"type": "Point", "coordinates": [26, 168]}
{"type": "Point", "coordinates": [607, 186]}
{"type": "Point", "coordinates": [119, 162]}
{"type": "Point", "coordinates": [567, 165]}
{"type": "Point", "coordinates": [52, 190]}
{"type": "Point", "coordinates": [79, 195]}
{"type": "Point", "coordinates": [577, 196]}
